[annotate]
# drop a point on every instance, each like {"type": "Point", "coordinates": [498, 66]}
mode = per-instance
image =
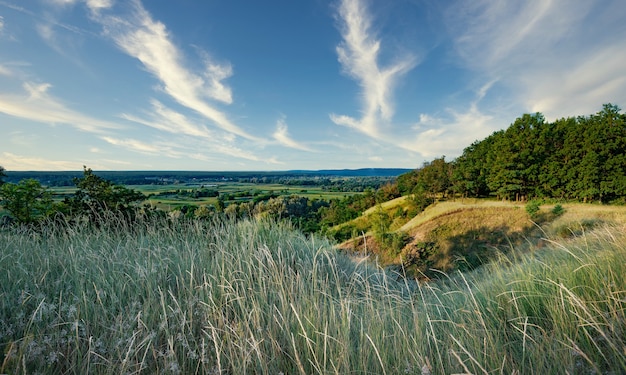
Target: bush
{"type": "Point", "coordinates": [533, 207]}
{"type": "Point", "coordinates": [558, 210]}
{"type": "Point", "coordinates": [344, 233]}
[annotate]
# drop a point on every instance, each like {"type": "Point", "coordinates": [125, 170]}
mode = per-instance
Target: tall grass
{"type": "Point", "coordinates": [259, 297]}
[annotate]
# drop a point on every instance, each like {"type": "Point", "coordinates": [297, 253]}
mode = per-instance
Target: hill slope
{"type": "Point", "coordinates": [466, 233]}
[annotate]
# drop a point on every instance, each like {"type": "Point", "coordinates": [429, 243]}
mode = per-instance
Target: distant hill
{"type": "Point", "coordinates": [362, 172]}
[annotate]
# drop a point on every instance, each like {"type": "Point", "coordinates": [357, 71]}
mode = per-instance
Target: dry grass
{"type": "Point", "coordinates": [256, 297]}
{"type": "Point", "coordinates": [443, 208]}
{"type": "Point", "coordinates": [470, 232]}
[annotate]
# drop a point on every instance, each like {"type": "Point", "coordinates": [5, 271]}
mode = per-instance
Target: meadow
{"type": "Point", "coordinates": [256, 296]}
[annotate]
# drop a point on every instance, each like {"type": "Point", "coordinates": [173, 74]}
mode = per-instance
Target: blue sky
{"type": "Point", "coordinates": [284, 84]}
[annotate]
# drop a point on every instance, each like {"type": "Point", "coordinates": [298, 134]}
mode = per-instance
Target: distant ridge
{"type": "Point", "coordinates": [361, 172]}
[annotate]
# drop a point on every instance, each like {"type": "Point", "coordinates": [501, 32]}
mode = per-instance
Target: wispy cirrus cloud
{"type": "Point", "coordinates": [181, 147]}
{"type": "Point", "coordinates": [141, 146]}
{"type": "Point", "coordinates": [558, 57]}
{"type": "Point", "coordinates": [148, 40]}
{"type": "Point", "coordinates": [282, 136]}
{"type": "Point", "coordinates": [359, 54]}
{"type": "Point", "coordinates": [37, 104]}
{"type": "Point", "coordinates": [188, 133]}
{"type": "Point", "coordinates": [166, 119]}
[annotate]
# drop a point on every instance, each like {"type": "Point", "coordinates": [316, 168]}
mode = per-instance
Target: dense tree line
{"type": "Point", "coordinates": [95, 198]}
{"type": "Point", "coordinates": [189, 193]}
{"type": "Point", "coordinates": [575, 158]}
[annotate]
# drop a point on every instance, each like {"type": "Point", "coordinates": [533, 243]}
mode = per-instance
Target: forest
{"type": "Point", "coordinates": [576, 158]}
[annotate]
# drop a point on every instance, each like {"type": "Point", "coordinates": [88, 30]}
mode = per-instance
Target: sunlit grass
{"type": "Point", "coordinates": [446, 207]}
{"type": "Point", "coordinates": [259, 297]}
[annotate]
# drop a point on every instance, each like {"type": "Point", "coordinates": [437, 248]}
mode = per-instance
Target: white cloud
{"type": "Point", "coordinates": [558, 57]}
{"type": "Point", "coordinates": [45, 32]}
{"type": "Point", "coordinates": [166, 119]}
{"type": "Point", "coordinates": [182, 147]}
{"type": "Point", "coordinates": [581, 90]}
{"type": "Point", "coordinates": [449, 135]}
{"type": "Point", "coordinates": [149, 41]}
{"type": "Point", "coordinates": [358, 55]}
{"type": "Point", "coordinates": [282, 136]}
{"type": "Point", "coordinates": [96, 5]}
{"type": "Point", "coordinates": [140, 146]}
{"type": "Point", "coordinates": [115, 162]}
{"type": "Point", "coordinates": [93, 5]}
{"type": "Point", "coordinates": [38, 105]}
{"type": "Point", "coordinates": [4, 71]}
{"type": "Point", "coordinates": [63, 2]}
{"type": "Point", "coordinates": [13, 162]}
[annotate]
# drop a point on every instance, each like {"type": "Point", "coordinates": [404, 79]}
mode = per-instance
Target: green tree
{"type": "Point", "coordinates": [518, 155]}
{"type": "Point", "coordinates": [27, 201]}
{"type": "Point", "coordinates": [472, 168]}
{"type": "Point", "coordinates": [387, 192]}
{"type": "Point", "coordinates": [96, 196]}
{"type": "Point", "coordinates": [435, 177]}
{"type": "Point", "coordinates": [418, 202]}
{"type": "Point", "coordinates": [2, 174]}
{"type": "Point", "coordinates": [597, 159]}
{"type": "Point", "coordinates": [612, 157]}
{"type": "Point", "coordinates": [406, 182]}
{"type": "Point", "coordinates": [381, 222]}
{"type": "Point", "coordinates": [220, 205]}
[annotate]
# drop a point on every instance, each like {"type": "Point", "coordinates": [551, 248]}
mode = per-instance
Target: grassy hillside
{"type": "Point", "coordinates": [466, 233]}
{"type": "Point", "coordinates": [258, 297]}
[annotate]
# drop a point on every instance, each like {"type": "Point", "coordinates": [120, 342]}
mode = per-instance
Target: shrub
{"type": "Point", "coordinates": [533, 207]}
{"type": "Point", "coordinates": [558, 210]}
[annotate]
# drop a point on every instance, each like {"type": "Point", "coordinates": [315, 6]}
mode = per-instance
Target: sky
{"type": "Point", "coordinates": [231, 85]}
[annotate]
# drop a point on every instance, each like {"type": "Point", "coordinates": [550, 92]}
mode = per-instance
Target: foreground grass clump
{"type": "Point", "coordinates": [259, 297]}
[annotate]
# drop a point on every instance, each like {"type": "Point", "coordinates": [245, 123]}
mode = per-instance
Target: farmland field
{"type": "Point", "coordinates": [159, 198]}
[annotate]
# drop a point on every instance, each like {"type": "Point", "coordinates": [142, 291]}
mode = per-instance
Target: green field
{"type": "Point", "coordinates": [247, 190]}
